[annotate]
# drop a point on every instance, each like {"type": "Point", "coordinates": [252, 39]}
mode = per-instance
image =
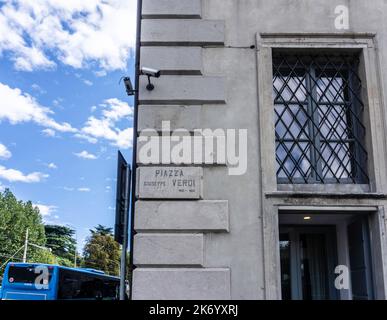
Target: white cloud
{"type": "Point", "coordinates": [84, 189]}
{"type": "Point", "coordinates": [49, 133]}
{"type": "Point", "coordinates": [77, 33]}
{"type": "Point", "coordinates": [125, 138]}
{"type": "Point", "coordinates": [37, 88]}
{"type": "Point", "coordinates": [105, 126]}
{"type": "Point", "coordinates": [13, 175]}
{"type": "Point", "coordinates": [18, 107]}
{"type": "Point", "coordinates": [86, 137]}
{"type": "Point", "coordinates": [86, 155]}
{"type": "Point", "coordinates": [88, 82]}
{"type": "Point", "coordinates": [4, 152]}
{"type": "Point", "coordinates": [100, 73]}
{"type": "Point", "coordinates": [45, 210]}
{"type": "Point", "coordinates": [116, 109]}
{"type": "Point", "coordinates": [57, 102]}
{"type": "Point", "coordinates": [68, 189]}
{"type": "Point", "coordinates": [52, 165]}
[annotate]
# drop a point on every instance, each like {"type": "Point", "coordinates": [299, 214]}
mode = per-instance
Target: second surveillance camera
{"type": "Point", "coordinates": [128, 86]}
{"type": "Point", "coordinates": [149, 72]}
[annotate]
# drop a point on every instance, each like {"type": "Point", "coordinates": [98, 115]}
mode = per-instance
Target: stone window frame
{"type": "Point", "coordinates": [365, 44]}
{"type": "Point", "coordinates": [327, 198]}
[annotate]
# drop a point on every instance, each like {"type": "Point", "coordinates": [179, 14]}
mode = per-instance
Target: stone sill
{"type": "Point", "coordinates": [318, 194]}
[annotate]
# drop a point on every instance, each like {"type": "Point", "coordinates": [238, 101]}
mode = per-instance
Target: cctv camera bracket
{"type": "Point", "coordinates": [150, 86]}
{"type": "Point", "coordinates": [131, 92]}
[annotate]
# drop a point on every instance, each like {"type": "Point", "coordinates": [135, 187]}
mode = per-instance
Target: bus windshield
{"type": "Point", "coordinates": [24, 274]}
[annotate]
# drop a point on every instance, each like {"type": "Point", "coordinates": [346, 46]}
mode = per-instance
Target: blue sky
{"type": "Point", "coordinates": [63, 115]}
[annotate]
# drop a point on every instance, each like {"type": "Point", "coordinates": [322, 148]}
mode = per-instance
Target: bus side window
{"type": "Point", "coordinates": [110, 290]}
{"type": "Point", "coordinates": [76, 285]}
{"type": "Point", "coordinates": [67, 286]}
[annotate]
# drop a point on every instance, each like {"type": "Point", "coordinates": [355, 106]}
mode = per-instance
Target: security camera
{"type": "Point", "coordinates": [149, 72]}
{"type": "Point", "coordinates": [128, 86]}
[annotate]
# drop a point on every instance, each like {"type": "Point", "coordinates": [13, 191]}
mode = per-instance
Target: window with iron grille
{"type": "Point", "coordinates": [318, 119]}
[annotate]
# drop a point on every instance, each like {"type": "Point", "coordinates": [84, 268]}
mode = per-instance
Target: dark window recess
{"type": "Point", "coordinates": [318, 119]}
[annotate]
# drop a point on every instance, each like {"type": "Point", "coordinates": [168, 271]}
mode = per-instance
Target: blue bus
{"type": "Point", "coordinates": [32, 281]}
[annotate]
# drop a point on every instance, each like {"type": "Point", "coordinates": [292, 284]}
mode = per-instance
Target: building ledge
{"type": "Point", "coordinates": [343, 35]}
{"type": "Point", "coordinates": [331, 195]}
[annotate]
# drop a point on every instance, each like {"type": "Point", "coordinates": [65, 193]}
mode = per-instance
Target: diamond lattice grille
{"type": "Point", "coordinates": [318, 119]}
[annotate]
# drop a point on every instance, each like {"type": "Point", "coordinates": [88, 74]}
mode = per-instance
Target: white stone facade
{"type": "Point", "coordinates": [220, 239]}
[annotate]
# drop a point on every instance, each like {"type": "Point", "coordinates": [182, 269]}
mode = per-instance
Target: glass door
{"type": "Point", "coordinates": [308, 259]}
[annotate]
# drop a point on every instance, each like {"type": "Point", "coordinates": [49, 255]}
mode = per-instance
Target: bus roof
{"type": "Point", "coordinates": [83, 270]}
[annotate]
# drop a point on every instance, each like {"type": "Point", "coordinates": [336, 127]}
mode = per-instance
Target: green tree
{"type": "Point", "coordinates": [44, 256]}
{"type": "Point", "coordinates": [15, 218]}
{"type": "Point", "coordinates": [102, 230]}
{"type": "Point", "coordinates": [101, 251]}
{"type": "Point", "coordinates": [62, 242]}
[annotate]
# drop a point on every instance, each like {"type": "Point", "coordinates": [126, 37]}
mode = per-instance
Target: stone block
{"type": "Point", "coordinates": [182, 32]}
{"type": "Point", "coordinates": [168, 249]}
{"type": "Point", "coordinates": [152, 116]}
{"type": "Point", "coordinates": [204, 216]}
{"type": "Point", "coordinates": [181, 284]}
{"type": "Point", "coordinates": [173, 60]}
{"type": "Point", "coordinates": [183, 90]}
{"type": "Point", "coordinates": [159, 9]}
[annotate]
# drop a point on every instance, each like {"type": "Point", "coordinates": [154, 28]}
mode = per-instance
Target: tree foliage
{"type": "Point", "coordinates": [101, 251]}
{"type": "Point", "coordinates": [102, 230]}
{"type": "Point", "coordinates": [15, 218]}
{"type": "Point", "coordinates": [62, 242]}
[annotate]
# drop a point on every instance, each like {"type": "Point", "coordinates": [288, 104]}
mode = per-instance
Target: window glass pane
{"type": "Point", "coordinates": [80, 285]}
{"type": "Point", "coordinates": [336, 160]}
{"type": "Point", "coordinates": [333, 123]}
{"type": "Point", "coordinates": [290, 88]}
{"type": "Point", "coordinates": [293, 159]}
{"type": "Point", "coordinates": [291, 121]}
{"type": "Point", "coordinates": [318, 119]}
{"type": "Point", "coordinates": [330, 89]}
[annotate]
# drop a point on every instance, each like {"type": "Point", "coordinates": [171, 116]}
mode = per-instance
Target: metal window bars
{"type": "Point", "coordinates": [318, 119]}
